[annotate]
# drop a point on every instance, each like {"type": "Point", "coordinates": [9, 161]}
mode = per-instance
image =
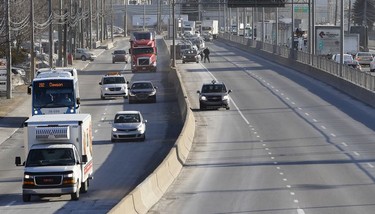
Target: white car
{"type": "Point", "coordinates": [372, 65]}
{"type": "Point", "coordinates": [113, 85]}
{"type": "Point", "coordinates": [84, 54]}
{"type": "Point", "coordinates": [128, 125]}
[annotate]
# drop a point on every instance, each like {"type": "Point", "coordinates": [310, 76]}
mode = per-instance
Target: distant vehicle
{"type": "Point", "coordinates": [142, 91]}
{"type": "Point", "coordinates": [364, 59]}
{"type": "Point", "coordinates": [186, 46]}
{"type": "Point", "coordinates": [119, 56]}
{"type": "Point", "coordinates": [190, 56]}
{"type": "Point", "coordinates": [113, 84]}
{"type": "Point", "coordinates": [214, 95]}
{"type": "Point", "coordinates": [210, 27]}
{"type": "Point", "coordinates": [348, 60]}
{"type": "Point", "coordinates": [128, 125]}
{"type": "Point", "coordinates": [18, 71]}
{"type": "Point", "coordinates": [84, 54]}
{"type": "Point", "coordinates": [372, 65]}
{"type": "Point", "coordinates": [143, 59]}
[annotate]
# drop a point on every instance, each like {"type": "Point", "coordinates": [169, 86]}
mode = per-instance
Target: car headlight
{"type": "Point", "coordinates": [106, 88]}
{"type": "Point", "coordinates": [225, 97]}
{"type": "Point", "coordinates": [183, 57]}
{"type": "Point", "coordinates": [69, 179]}
{"type": "Point", "coordinates": [203, 98]}
{"type": "Point", "coordinates": [152, 93]}
{"type": "Point", "coordinates": [114, 129]}
{"type": "Point", "coordinates": [28, 179]}
{"type": "Point", "coordinates": [140, 128]}
{"type": "Point", "coordinates": [27, 176]}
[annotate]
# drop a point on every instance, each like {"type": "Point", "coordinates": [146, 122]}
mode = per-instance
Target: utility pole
{"type": "Point", "coordinates": [97, 20]}
{"type": "Point", "coordinates": [60, 53]}
{"type": "Point", "coordinates": [174, 34]}
{"type": "Point", "coordinates": [9, 51]}
{"type": "Point", "coordinates": [65, 38]}
{"type": "Point", "coordinates": [144, 15]}
{"type": "Point", "coordinates": [50, 34]}
{"type": "Point", "coordinates": [90, 24]}
{"type": "Point", "coordinates": [112, 20]}
{"type": "Point", "coordinates": [126, 18]}
{"type": "Point", "coordinates": [32, 51]}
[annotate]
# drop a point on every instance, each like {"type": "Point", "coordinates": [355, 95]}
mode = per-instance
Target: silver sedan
{"type": "Point", "coordinates": [128, 125]}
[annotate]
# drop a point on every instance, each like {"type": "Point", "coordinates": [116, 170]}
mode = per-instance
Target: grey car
{"type": "Point", "coordinates": [142, 91]}
{"type": "Point", "coordinates": [119, 56]}
{"type": "Point", "coordinates": [128, 125]}
{"type": "Point", "coordinates": [214, 96]}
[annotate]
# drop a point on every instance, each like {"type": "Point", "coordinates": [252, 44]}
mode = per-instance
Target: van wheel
{"type": "Point", "coordinates": [83, 58]}
{"type": "Point", "coordinates": [85, 186]}
{"type": "Point", "coordinates": [26, 197]}
{"type": "Point", "coordinates": [75, 196]}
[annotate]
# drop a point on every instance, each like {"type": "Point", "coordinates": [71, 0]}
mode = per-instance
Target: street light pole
{"type": "Point", "coordinates": [9, 51]}
{"type": "Point", "coordinates": [32, 51]}
{"type": "Point", "coordinates": [174, 34]}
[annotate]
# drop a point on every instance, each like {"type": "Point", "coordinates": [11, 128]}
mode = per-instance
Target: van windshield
{"type": "Point", "coordinates": [50, 157]}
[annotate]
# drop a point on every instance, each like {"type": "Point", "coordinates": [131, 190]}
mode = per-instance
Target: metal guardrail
{"type": "Point", "coordinates": [355, 76]}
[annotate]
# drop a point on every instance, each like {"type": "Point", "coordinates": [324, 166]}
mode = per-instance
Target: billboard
{"type": "Point", "coordinates": [327, 39]}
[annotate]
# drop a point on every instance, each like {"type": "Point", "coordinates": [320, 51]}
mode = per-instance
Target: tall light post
{"type": "Point", "coordinates": [144, 14]}
{"type": "Point", "coordinates": [50, 34]}
{"type": "Point", "coordinates": [174, 34]}
{"type": "Point", "coordinates": [9, 51]}
{"type": "Point", "coordinates": [32, 51]}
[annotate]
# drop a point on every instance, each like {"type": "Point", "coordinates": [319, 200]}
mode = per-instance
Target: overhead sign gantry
{"type": "Point", "coordinates": [256, 3]}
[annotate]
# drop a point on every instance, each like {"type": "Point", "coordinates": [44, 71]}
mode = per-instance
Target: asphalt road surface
{"type": "Point", "coordinates": [289, 144]}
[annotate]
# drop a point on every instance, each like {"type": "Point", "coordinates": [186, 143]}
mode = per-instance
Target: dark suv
{"type": "Point", "coordinates": [214, 95]}
{"type": "Point", "coordinates": [119, 56]}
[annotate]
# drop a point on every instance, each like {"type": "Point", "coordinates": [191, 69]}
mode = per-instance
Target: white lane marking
{"type": "Point", "coordinates": [96, 131]}
{"type": "Point", "coordinates": [370, 165]}
{"type": "Point", "coordinates": [272, 158]}
{"type": "Point", "coordinates": [288, 186]}
{"type": "Point", "coordinates": [270, 153]}
{"type": "Point", "coordinates": [356, 153]}
{"type": "Point", "coordinates": [258, 136]}
{"type": "Point", "coordinates": [99, 124]}
{"type": "Point", "coordinates": [323, 127]}
{"type": "Point", "coordinates": [300, 211]}
{"type": "Point", "coordinates": [103, 118]}
{"type": "Point", "coordinates": [281, 173]}
{"type": "Point", "coordinates": [264, 144]}
{"type": "Point", "coordinates": [267, 149]}
{"type": "Point", "coordinates": [293, 103]}
{"type": "Point", "coordinates": [307, 114]}
{"type": "Point", "coordinates": [272, 87]}
{"type": "Point", "coordinates": [277, 90]}
{"type": "Point", "coordinates": [255, 132]}
{"type": "Point", "coordinates": [299, 108]}
{"type": "Point", "coordinates": [315, 120]}
{"type": "Point", "coordinates": [295, 201]}
{"type": "Point", "coordinates": [292, 193]}
{"type": "Point", "coordinates": [344, 144]}
{"type": "Point", "coordinates": [231, 100]}
{"type": "Point", "coordinates": [278, 167]}
{"type": "Point", "coordinates": [282, 94]}
{"type": "Point", "coordinates": [287, 98]}
{"type": "Point", "coordinates": [284, 179]}
{"type": "Point", "coordinates": [333, 135]}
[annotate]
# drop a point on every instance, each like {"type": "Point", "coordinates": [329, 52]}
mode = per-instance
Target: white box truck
{"type": "Point", "coordinates": [59, 155]}
{"type": "Point", "coordinates": [210, 27]}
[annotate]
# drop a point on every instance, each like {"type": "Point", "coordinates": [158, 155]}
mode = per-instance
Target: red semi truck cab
{"type": "Point", "coordinates": [143, 59]}
{"type": "Point", "coordinates": [143, 51]}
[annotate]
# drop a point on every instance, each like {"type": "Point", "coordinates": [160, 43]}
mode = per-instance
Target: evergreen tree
{"type": "Point", "coordinates": [359, 14]}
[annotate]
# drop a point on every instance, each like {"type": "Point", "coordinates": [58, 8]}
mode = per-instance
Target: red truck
{"type": "Point", "coordinates": [143, 51]}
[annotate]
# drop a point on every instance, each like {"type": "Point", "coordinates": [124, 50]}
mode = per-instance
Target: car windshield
{"type": "Point", "coordinates": [120, 52]}
{"type": "Point", "coordinates": [142, 50]}
{"type": "Point", "coordinates": [141, 85]}
{"type": "Point", "coordinates": [113, 80]}
{"type": "Point", "coordinates": [127, 118]}
{"type": "Point", "coordinates": [216, 88]}
{"type": "Point", "coordinates": [50, 157]}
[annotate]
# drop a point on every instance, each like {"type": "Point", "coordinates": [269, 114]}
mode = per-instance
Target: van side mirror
{"type": "Point", "coordinates": [18, 161]}
{"type": "Point", "coordinates": [84, 158]}
{"type": "Point", "coordinates": [78, 101]}
{"type": "Point", "coordinates": [29, 89]}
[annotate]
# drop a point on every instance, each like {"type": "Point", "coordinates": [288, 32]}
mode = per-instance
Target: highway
{"type": "Point", "coordinates": [118, 167]}
{"type": "Point", "coordinates": [289, 144]}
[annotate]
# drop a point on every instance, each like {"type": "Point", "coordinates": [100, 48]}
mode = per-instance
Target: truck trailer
{"type": "Point", "coordinates": [59, 155]}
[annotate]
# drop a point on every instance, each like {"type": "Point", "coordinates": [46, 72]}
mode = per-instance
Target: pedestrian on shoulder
{"type": "Point", "coordinates": [206, 53]}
